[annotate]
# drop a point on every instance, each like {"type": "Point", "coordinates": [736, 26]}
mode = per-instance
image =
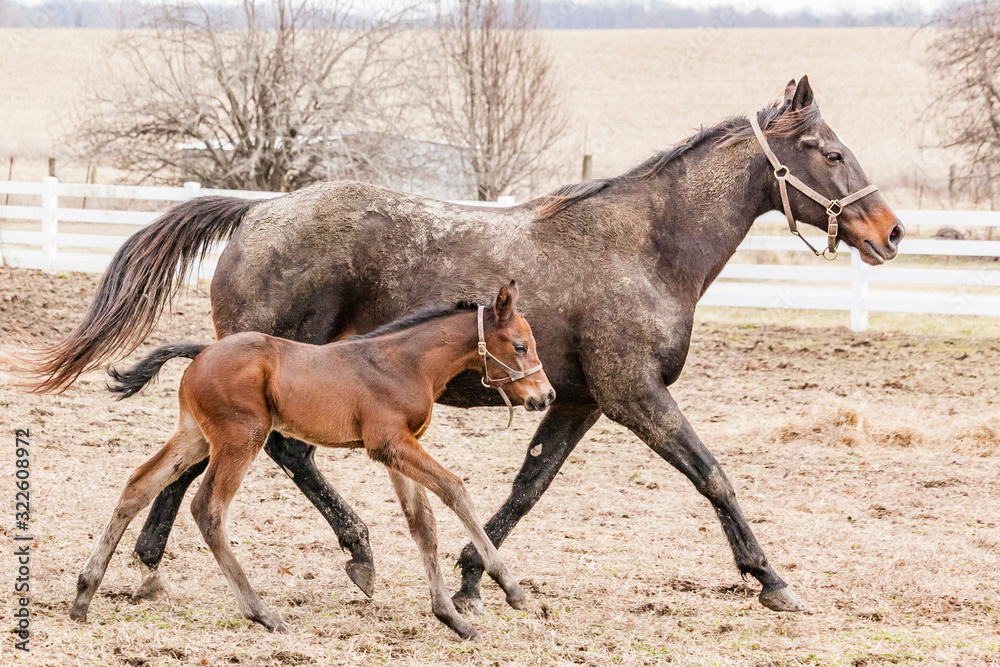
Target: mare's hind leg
{"type": "Point", "coordinates": [405, 455]}
{"type": "Point", "coordinates": [186, 447]}
{"type": "Point", "coordinates": [423, 528]}
{"type": "Point", "coordinates": [298, 460]}
{"type": "Point", "coordinates": [232, 453]}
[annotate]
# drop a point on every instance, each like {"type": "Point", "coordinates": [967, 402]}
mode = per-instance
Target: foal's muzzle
{"type": "Point", "coordinates": [533, 403]}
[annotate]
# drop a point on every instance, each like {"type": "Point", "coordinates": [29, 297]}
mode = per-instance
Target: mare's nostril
{"type": "Point", "coordinates": [896, 235]}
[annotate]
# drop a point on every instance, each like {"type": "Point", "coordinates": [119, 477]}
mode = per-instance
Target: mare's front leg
{"type": "Point", "coordinates": [641, 403]}
{"type": "Point", "coordinates": [563, 426]}
{"type": "Point", "coordinates": [423, 528]}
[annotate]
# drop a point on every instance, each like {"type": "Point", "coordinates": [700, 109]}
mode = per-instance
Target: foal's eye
{"type": "Point", "coordinates": [521, 349]}
{"type": "Point", "coordinates": [834, 157]}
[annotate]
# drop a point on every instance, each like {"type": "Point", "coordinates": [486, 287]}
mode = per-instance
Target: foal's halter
{"type": "Point", "coordinates": [834, 207]}
{"type": "Point", "coordinates": [513, 375]}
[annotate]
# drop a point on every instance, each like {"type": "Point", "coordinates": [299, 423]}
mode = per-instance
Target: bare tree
{"type": "Point", "coordinates": [965, 57]}
{"type": "Point", "coordinates": [496, 99]}
{"type": "Point", "coordinates": [268, 94]}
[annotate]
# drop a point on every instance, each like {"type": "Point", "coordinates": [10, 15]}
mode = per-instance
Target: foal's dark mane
{"type": "Point", "coordinates": [775, 121]}
{"type": "Point", "coordinates": [417, 317]}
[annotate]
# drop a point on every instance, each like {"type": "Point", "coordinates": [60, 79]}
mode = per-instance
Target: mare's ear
{"type": "Point", "coordinates": [803, 94]}
{"type": "Point", "coordinates": [789, 92]}
{"type": "Point", "coordinates": [503, 306]}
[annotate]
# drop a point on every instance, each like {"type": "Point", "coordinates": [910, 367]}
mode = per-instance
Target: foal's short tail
{"type": "Point", "coordinates": [144, 274]}
{"type": "Point", "coordinates": [128, 383]}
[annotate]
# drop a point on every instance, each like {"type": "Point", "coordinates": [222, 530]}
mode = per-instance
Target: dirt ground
{"type": "Point", "coordinates": [867, 464]}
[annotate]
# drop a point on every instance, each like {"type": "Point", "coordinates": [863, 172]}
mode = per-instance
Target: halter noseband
{"type": "Point", "coordinates": [513, 375]}
{"type": "Point", "coordinates": [834, 207]}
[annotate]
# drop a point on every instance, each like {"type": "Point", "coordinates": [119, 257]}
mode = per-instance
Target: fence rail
{"type": "Point", "coordinates": [959, 291]}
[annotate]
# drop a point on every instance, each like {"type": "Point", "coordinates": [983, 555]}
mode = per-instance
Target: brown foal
{"type": "Point", "coordinates": [374, 391]}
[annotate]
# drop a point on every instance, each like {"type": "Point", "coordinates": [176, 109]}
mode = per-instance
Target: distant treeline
{"type": "Point", "coordinates": [555, 14]}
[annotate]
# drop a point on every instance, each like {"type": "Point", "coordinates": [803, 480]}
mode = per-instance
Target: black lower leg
{"type": "Point", "coordinates": [297, 459]}
{"type": "Point", "coordinates": [152, 540]}
{"type": "Point", "coordinates": [557, 436]}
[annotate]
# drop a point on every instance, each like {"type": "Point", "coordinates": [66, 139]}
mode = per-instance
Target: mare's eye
{"type": "Point", "coordinates": [520, 349]}
{"type": "Point", "coordinates": [834, 157]}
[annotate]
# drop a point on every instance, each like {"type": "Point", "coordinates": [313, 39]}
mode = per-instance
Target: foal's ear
{"type": "Point", "coordinates": [803, 96]}
{"type": "Point", "coordinates": [506, 301]}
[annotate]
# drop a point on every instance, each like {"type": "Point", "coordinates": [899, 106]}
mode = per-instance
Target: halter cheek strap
{"type": "Point", "coordinates": [513, 375]}
{"type": "Point", "coordinates": [834, 207]}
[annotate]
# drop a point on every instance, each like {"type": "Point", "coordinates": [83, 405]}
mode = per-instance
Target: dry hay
{"type": "Point", "coordinates": [842, 461]}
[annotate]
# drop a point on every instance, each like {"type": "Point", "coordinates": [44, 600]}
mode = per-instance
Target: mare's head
{"type": "Point", "coordinates": [509, 339]}
{"type": "Point", "coordinates": [815, 154]}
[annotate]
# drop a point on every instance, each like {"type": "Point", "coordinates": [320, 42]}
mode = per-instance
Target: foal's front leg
{"type": "Point", "coordinates": [423, 528]}
{"type": "Point", "coordinates": [404, 454]}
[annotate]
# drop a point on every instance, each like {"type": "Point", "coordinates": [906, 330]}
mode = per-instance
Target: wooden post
{"type": "Point", "coordinates": [52, 166]}
{"type": "Point", "coordinates": [859, 292]}
{"type": "Point", "coordinates": [50, 226]}
{"type": "Point", "coordinates": [10, 176]}
{"type": "Point", "coordinates": [586, 166]}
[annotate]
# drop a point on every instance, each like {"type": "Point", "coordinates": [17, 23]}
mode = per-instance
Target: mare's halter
{"type": "Point", "coordinates": [834, 207]}
{"type": "Point", "coordinates": [513, 375]}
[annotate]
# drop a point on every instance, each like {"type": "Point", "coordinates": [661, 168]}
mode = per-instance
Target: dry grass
{"type": "Point", "coordinates": [632, 92]}
{"type": "Point", "coordinates": [866, 462]}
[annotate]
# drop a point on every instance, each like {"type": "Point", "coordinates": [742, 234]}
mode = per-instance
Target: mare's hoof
{"type": "Point", "coordinates": [468, 605]}
{"type": "Point", "coordinates": [518, 600]}
{"type": "Point", "coordinates": [468, 633]}
{"type": "Point", "coordinates": [151, 588]}
{"type": "Point", "coordinates": [363, 577]}
{"type": "Point", "coordinates": [78, 613]}
{"type": "Point", "coordinates": [783, 599]}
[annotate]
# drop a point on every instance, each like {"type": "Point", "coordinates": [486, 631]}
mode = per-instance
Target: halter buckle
{"type": "Point", "coordinates": [482, 348]}
{"type": "Point", "coordinates": [835, 208]}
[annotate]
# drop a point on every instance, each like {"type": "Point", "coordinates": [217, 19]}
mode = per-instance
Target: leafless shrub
{"type": "Point", "coordinates": [269, 94]}
{"type": "Point", "coordinates": [494, 94]}
{"type": "Point", "coordinates": [965, 58]}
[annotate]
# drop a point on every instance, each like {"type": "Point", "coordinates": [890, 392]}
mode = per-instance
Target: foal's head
{"type": "Point", "coordinates": [509, 338]}
{"type": "Point", "coordinates": [816, 154]}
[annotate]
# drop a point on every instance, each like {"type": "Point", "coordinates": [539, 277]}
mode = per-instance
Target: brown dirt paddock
{"type": "Point", "coordinates": [867, 463]}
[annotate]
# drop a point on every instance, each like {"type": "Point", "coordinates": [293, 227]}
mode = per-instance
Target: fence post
{"type": "Point", "coordinates": [192, 188]}
{"type": "Point", "coordinates": [50, 226]}
{"type": "Point", "coordinates": [859, 292]}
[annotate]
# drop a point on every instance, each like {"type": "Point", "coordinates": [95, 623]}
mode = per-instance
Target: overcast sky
{"type": "Point", "coordinates": [818, 6]}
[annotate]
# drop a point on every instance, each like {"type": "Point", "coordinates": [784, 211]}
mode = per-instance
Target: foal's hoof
{"type": "Point", "coordinates": [468, 605]}
{"type": "Point", "coordinates": [362, 575]}
{"type": "Point", "coordinates": [783, 599]}
{"type": "Point", "coordinates": [151, 588]}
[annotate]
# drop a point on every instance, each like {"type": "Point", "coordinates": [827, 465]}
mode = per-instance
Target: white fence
{"type": "Point", "coordinates": [856, 287]}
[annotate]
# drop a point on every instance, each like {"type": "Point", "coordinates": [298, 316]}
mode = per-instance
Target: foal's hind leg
{"type": "Point", "coordinates": [405, 455]}
{"type": "Point", "coordinates": [152, 540]}
{"type": "Point", "coordinates": [186, 447]}
{"type": "Point", "coordinates": [423, 528]}
{"type": "Point", "coordinates": [226, 469]}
